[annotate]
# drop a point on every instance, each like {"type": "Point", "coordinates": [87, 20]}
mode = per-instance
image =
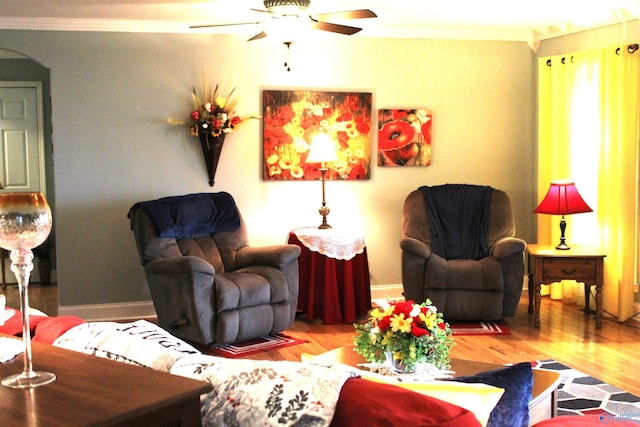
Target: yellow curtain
{"type": "Point", "coordinates": [588, 132]}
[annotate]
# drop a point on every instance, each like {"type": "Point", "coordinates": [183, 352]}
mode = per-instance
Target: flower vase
{"type": "Point", "coordinates": [211, 149]}
{"type": "Point", "coordinates": [399, 365]}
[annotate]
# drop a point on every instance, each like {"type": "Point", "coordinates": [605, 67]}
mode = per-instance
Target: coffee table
{"type": "Point", "coordinates": [544, 395]}
{"type": "Point", "coordinates": [92, 391]}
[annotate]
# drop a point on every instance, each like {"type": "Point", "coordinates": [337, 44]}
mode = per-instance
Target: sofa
{"type": "Point", "coordinates": [252, 392]}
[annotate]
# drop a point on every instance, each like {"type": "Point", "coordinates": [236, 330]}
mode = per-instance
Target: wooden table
{"type": "Point", "coordinates": [581, 263]}
{"type": "Point", "coordinates": [544, 394]}
{"type": "Point", "coordinates": [91, 391]}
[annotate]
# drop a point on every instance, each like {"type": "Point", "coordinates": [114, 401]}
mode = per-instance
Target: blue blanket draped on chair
{"type": "Point", "coordinates": [459, 216]}
{"type": "Point", "coordinates": [192, 215]}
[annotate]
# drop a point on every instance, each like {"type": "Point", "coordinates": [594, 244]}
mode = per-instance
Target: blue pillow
{"type": "Point", "coordinates": [513, 407]}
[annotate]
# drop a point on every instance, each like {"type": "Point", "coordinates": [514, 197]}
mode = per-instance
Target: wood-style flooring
{"type": "Point", "coordinates": [566, 334]}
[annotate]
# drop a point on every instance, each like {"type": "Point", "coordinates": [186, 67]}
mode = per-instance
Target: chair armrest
{"type": "Point", "coordinates": [274, 256]}
{"type": "Point", "coordinates": [507, 246]}
{"type": "Point", "coordinates": [416, 247]}
{"type": "Point", "coordinates": [183, 264]}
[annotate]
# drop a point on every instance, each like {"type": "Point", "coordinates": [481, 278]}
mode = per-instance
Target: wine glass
{"type": "Point", "coordinates": [25, 223]}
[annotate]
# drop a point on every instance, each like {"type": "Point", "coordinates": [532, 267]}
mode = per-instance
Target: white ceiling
{"type": "Point", "coordinates": [517, 20]}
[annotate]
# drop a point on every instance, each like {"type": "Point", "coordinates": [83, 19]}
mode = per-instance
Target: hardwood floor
{"type": "Point", "coordinates": [43, 298]}
{"type": "Point", "coordinates": [566, 334]}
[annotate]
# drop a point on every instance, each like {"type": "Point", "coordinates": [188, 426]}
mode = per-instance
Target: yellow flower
{"type": "Point", "coordinates": [430, 320]}
{"type": "Point", "coordinates": [377, 314]}
{"type": "Point", "coordinates": [221, 101]}
{"type": "Point", "coordinates": [399, 323]}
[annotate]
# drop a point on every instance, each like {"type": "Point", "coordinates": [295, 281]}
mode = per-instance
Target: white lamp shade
{"type": "Point", "coordinates": [322, 149]}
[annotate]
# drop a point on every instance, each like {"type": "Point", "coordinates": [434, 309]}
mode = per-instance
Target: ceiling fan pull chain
{"type": "Point", "coordinates": [287, 56]}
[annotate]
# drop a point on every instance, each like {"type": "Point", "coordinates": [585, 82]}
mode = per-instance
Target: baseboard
{"type": "Point", "coordinates": [110, 312]}
{"type": "Point", "coordinates": [391, 291]}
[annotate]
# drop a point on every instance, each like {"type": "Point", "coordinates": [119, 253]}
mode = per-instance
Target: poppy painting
{"type": "Point", "coordinates": [404, 137]}
{"type": "Point", "coordinates": [293, 119]}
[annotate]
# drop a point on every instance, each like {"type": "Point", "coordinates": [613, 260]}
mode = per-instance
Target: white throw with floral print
{"type": "Point", "coordinates": [245, 392]}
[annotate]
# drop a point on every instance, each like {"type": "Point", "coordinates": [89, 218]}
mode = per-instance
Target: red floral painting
{"type": "Point", "coordinates": [293, 118]}
{"type": "Point", "coordinates": [404, 137]}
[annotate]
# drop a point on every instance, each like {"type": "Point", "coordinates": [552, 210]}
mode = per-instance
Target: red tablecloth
{"type": "Point", "coordinates": [336, 291]}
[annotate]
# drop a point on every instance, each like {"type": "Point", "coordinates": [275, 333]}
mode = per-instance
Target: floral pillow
{"type": "Point", "coordinates": [260, 392]}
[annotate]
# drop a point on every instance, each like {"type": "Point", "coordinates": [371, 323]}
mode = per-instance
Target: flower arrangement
{"type": "Point", "coordinates": [213, 112]}
{"type": "Point", "coordinates": [213, 116]}
{"type": "Point", "coordinates": [412, 333]}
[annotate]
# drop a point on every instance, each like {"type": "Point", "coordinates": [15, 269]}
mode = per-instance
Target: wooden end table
{"type": "Point", "coordinates": [544, 394]}
{"type": "Point", "coordinates": [580, 263]}
{"type": "Point", "coordinates": [91, 391]}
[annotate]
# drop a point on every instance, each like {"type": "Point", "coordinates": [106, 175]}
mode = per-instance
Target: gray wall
{"type": "Point", "coordinates": [112, 92]}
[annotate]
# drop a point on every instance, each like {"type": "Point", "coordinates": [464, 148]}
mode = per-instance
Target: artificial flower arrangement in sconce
{"type": "Point", "coordinates": [212, 118]}
{"type": "Point", "coordinates": [404, 335]}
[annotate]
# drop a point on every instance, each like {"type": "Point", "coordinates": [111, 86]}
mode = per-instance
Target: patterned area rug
{"type": "Point", "coordinates": [258, 345]}
{"type": "Point", "coordinates": [479, 328]}
{"type": "Point", "coordinates": [580, 394]}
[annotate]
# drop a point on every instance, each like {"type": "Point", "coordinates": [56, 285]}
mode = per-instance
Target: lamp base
{"type": "Point", "coordinates": [562, 246]}
{"type": "Point", "coordinates": [324, 211]}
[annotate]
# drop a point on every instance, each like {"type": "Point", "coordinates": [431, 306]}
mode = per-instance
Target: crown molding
{"type": "Point", "coordinates": [96, 25]}
{"type": "Point", "coordinates": [141, 26]}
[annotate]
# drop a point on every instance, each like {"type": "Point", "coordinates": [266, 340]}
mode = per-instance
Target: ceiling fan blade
{"type": "Point", "coordinates": [347, 14]}
{"type": "Point", "coordinates": [223, 25]}
{"type": "Point", "coordinates": [335, 28]}
{"type": "Point", "coordinates": [258, 36]}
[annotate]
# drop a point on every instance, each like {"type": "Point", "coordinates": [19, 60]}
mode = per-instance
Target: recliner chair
{"type": "Point", "coordinates": [207, 284]}
{"type": "Point", "coordinates": [459, 250]}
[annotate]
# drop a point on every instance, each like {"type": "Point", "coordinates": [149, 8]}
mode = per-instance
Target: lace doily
{"type": "Point", "coordinates": [424, 372]}
{"type": "Point", "coordinates": [340, 244]}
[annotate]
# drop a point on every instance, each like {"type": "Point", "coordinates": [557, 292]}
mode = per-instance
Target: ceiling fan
{"type": "Point", "coordinates": [294, 10]}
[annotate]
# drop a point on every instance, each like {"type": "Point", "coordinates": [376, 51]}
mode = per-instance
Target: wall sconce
{"type": "Point", "coordinates": [562, 199]}
{"type": "Point", "coordinates": [322, 151]}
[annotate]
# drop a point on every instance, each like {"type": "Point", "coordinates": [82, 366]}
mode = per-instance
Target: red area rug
{"type": "Point", "coordinates": [258, 345]}
{"type": "Point", "coordinates": [479, 328]}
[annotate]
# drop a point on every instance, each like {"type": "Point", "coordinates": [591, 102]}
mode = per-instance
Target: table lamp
{"type": "Point", "coordinates": [25, 223]}
{"type": "Point", "coordinates": [562, 199]}
{"type": "Point", "coordinates": [322, 151]}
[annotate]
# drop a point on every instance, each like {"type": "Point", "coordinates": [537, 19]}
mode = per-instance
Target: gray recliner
{"type": "Point", "coordinates": [485, 286]}
{"type": "Point", "coordinates": [207, 284]}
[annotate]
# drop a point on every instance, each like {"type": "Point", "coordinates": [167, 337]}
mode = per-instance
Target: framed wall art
{"type": "Point", "coordinates": [291, 120]}
{"type": "Point", "coordinates": [404, 137]}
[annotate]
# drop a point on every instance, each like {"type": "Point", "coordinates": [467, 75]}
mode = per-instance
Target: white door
{"type": "Point", "coordinates": [21, 137]}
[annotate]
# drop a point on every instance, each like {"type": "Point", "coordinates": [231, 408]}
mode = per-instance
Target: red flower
{"type": "Point", "coordinates": [357, 172]}
{"type": "Point", "coordinates": [404, 307]}
{"type": "Point", "coordinates": [384, 324]}
{"type": "Point", "coordinates": [195, 115]}
{"type": "Point", "coordinates": [235, 120]}
{"type": "Point", "coordinates": [362, 127]}
{"type": "Point", "coordinates": [395, 134]}
{"type": "Point", "coordinates": [417, 331]}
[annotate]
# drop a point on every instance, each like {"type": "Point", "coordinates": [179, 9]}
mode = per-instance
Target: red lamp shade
{"type": "Point", "coordinates": [562, 199]}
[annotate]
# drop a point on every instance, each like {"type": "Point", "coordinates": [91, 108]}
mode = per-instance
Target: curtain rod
{"type": "Point", "coordinates": [632, 48]}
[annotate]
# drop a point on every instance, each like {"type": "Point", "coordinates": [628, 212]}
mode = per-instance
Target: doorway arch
{"type": "Point", "coordinates": [15, 66]}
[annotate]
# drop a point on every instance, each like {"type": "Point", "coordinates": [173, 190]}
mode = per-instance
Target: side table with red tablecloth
{"type": "Point", "coordinates": [334, 274]}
